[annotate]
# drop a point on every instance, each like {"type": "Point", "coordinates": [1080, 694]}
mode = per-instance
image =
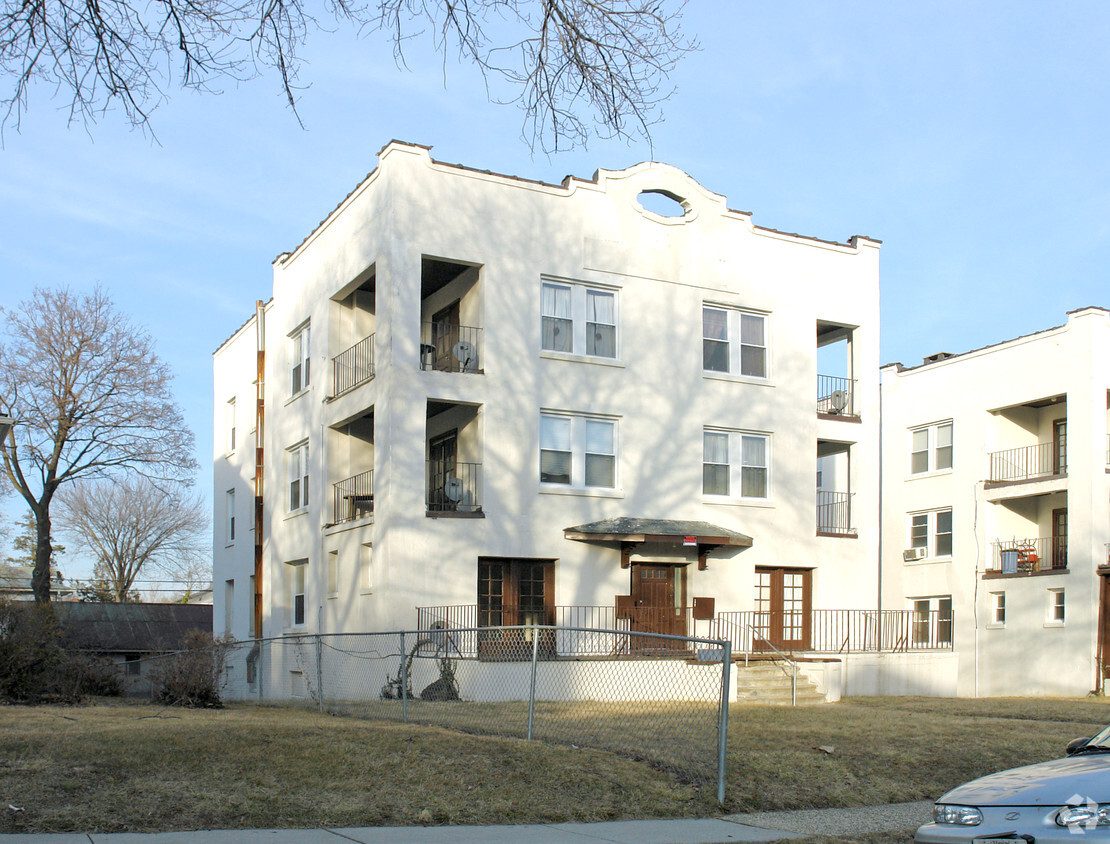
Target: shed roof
{"type": "Point", "coordinates": [132, 627]}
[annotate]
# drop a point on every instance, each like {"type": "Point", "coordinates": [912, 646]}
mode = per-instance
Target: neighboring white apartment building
{"type": "Point", "coordinates": [996, 507]}
{"type": "Point", "coordinates": [499, 401]}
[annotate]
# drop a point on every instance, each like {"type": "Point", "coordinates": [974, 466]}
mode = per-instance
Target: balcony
{"type": "Point", "coordinates": [1042, 460]}
{"type": "Point", "coordinates": [1029, 556]}
{"type": "Point", "coordinates": [836, 397]}
{"type": "Point", "coordinates": [454, 487]}
{"type": "Point", "coordinates": [834, 513]}
{"type": "Point", "coordinates": [445, 347]}
{"type": "Point", "coordinates": [353, 367]}
{"type": "Point", "coordinates": [353, 498]}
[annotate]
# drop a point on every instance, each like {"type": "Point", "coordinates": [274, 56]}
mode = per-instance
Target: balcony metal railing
{"type": "Point", "coordinates": [353, 366]}
{"type": "Point", "coordinates": [450, 348]}
{"type": "Point", "coordinates": [1025, 556]}
{"type": "Point", "coordinates": [454, 487]}
{"type": "Point", "coordinates": [1022, 464]}
{"type": "Point", "coordinates": [843, 631]}
{"type": "Point", "coordinates": [836, 396]}
{"type": "Point", "coordinates": [834, 513]}
{"type": "Point", "coordinates": [353, 498]}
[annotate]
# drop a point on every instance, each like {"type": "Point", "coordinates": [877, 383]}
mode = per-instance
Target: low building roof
{"type": "Point", "coordinates": [625, 529]}
{"type": "Point", "coordinates": [132, 627]}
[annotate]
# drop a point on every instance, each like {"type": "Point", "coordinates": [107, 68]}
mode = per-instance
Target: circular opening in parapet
{"type": "Point", "coordinates": [662, 202]}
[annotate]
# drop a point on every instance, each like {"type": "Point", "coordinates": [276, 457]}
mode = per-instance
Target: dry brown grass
{"type": "Point", "coordinates": [130, 767]}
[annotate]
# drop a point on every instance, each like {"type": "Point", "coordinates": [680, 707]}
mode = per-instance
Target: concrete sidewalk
{"type": "Point", "coordinates": [757, 826]}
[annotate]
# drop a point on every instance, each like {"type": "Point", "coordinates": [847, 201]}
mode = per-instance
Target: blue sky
{"type": "Point", "coordinates": [970, 138]}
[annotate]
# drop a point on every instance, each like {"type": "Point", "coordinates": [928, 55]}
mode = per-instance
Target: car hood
{"type": "Point", "coordinates": [1054, 783]}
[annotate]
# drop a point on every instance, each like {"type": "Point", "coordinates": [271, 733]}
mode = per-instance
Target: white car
{"type": "Point", "coordinates": [1063, 800]}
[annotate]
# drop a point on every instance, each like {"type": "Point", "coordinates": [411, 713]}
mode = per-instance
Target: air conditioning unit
{"type": "Point", "coordinates": [914, 554]}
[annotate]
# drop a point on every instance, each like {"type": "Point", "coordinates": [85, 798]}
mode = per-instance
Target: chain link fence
{"type": "Point", "coordinates": [655, 697]}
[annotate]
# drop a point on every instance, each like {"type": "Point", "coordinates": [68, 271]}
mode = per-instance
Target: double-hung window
{"type": "Point", "coordinates": [578, 319]}
{"type": "Point", "coordinates": [1054, 612]}
{"type": "Point", "coordinates": [931, 448]}
{"type": "Point", "coordinates": [932, 530]}
{"type": "Point", "coordinates": [736, 464]}
{"type": "Point", "coordinates": [298, 477]}
{"type": "Point", "coordinates": [734, 341]}
{"type": "Point", "coordinates": [578, 451]}
{"type": "Point", "coordinates": [296, 581]}
{"type": "Point", "coordinates": [932, 621]}
{"type": "Point", "coordinates": [230, 422]}
{"type": "Point", "coordinates": [230, 507]}
{"type": "Point", "coordinates": [300, 360]}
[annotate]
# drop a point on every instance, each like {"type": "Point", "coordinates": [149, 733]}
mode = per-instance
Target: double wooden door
{"type": "Point", "coordinates": [783, 608]}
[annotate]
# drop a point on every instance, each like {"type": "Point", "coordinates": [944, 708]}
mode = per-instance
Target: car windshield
{"type": "Point", "coordinates": [1100, 739]}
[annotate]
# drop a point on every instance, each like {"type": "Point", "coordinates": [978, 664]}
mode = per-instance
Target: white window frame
{"type": "Point", "coordinates": [937, 439]}
{"type": "Point", "coordinates": [298, 473]}
{"type": "Point", "coordinates": [734, 341]}
{"type": "Point", "coordinates": [577, 314]}
{"type": "Point", "coordinates": [333, 574]}
{"type": "Point", "coordinates": [300, 359]}
{"type": "Point", "coordinates": [229, 504]}
{"type": "Point", "coordinates": [930, 520]}
{"type": "Point", "coordinates": [577, 442]}
{"type": "Point", "coordinates": [1055, 607]}
{"type": "Point", "coordinates": [229, 605]}
{"type": "Point", "coordinates": [297, 583]}
{"type": "Point", "coordinates": [366, 567]}
{"type": "Point", "coordinates": [933, 621]}
{"type": "Point", "coordinates": [229, 422]}
{"type": "Point", "coordinates": [736, 464]}
{"type": "Point", "coordinates": [997, 610]}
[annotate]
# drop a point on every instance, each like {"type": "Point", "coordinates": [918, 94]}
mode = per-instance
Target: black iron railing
{"type": "Point", "coordinates": [834, 513]}
{"type": "Point", "coordinates": [454, 487]}
{"type": "Point", "coordinates": [1025, 556]}
{"type": "Point", "coordinates": [450, 348]}
{"type": "Point", "coordinates": [836, 396]}
{"type": "Point", "coordinates": [353, 498]}
{"type": "Point", "coordinates": [353, 366]}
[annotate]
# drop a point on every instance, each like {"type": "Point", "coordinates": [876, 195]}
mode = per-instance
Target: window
{"type": "Point", "coordinates": [229, 414]}
{"type": "Point", "coordinates": [578, 451]}
{"type": "Point", "coordinates": [932, 621]}
{"type": "Point", "coordinates": [230, 505]}
{"type": "Point", "coordinates": [577, 319]}
{"type": "Point", "coordinates": [735, 462]}
{"type": "Point", "coordinates": [1054, 616]}
{"type": "Point", "coordinates": [134, 664]}
{"type": "Point", "coordinates": [296, 607]}
{"type": "Point", "coordinates": [366, 560]}
{"type": "Point", "coordinates": [998, 609]}
{"type": "Point", "coordinates": [512, 592]}
{"type": "Point", "coordinates": [932, 531]}
{"type": "Point", "coordinates": [734, 341]}
{"type": "Point", "coordinates": [300, 360]}
{"type": "Point", "coordinates": [931, 448]}
{"type": "Point", "coordinates": [229, 605]}
{"type": "Point", "coordinates": [333, 574]}
{"type": "Point", "coordinates": [298, 477]}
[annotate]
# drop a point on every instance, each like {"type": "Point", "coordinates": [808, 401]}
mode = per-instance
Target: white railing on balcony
{"type": "Point", "coordinates": [836, 396]}
{"type": "Point", "coordinates": [353, 366]}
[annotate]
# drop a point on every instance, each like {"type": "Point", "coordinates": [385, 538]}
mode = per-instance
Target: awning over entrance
{"type": "Point", "coordinates": [631, 533]}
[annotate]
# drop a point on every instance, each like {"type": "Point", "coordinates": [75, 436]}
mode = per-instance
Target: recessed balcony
{"type": "Point", "coordinates": [353, 498]}
{"type": "Point", "coordinates": [836, 397]}
{"type": "Point", "coordinates": [353, 366]}
{"type": "Point", "coordinates": [1031, 462]}
{"type": "Point", "coordinates": [834, 513]}
{"type": "Point", "coordinates": [1036, 555]}
{"type": "Point", "coordinates": [445, 347]}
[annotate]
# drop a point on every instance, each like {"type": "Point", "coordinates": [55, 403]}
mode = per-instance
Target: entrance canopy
{"type": "Point", "coordinates": [632, 533]}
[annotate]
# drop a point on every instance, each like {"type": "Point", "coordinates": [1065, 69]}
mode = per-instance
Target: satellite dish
{"type": "Point", "coordinates": [453, 489]}
{"type": "Point", "coordinates": [463, 352]}
{"type": "Point", "coordinates": [838, 400]}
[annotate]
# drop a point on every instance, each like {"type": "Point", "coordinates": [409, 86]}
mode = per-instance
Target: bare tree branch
{"type": "Point", "coordinates": [91, 400]}
{"type": "Point", "coordinates": [577, 68]}
{"type": "Point", "coordinates": [132, 526]}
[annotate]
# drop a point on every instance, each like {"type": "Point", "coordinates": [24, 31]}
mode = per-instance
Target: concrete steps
{"type": "Point", "coordinates": [768, 683]}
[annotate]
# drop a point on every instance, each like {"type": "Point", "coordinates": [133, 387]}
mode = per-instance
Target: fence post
{"type": "Point", "coordinates": [532, 688]}
{"type": "Point", "coordinates": [319, 673]}
{"type": "Point", "coordinates": [722, 730]}
{"type": "Point", "coordinates": [404, 683]}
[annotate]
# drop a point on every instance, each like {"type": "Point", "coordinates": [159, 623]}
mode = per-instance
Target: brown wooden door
{"type": "Point", "coordinates": [783, 605]}
{"type": "Point", "coordinates": [1060, 447]}
{"type": "Point", "coordinates": [1060, 538]}
{"type": "Point", "coordinates": [658, 604]}
{"type": "Point", "coordinates": [442, 463]}
{"type": "Point", "coordinates": [445, 334]}
{"type": "Point", "coordinates": [1103, 627]}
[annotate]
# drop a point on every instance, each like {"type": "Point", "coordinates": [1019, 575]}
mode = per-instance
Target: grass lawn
{"type": "Point", "coordinates": [128, 767]}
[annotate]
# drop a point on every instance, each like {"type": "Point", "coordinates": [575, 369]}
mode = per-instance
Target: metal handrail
{"type": "Point", "coordinates": [793, 665]}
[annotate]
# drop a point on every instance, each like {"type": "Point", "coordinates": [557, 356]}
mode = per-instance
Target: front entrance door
{"type": "Point", "coordinates": [442, 486]}
{"type": "Point", "coordinates": [658, 604]}
{"type": "Point", "coordinates": [783, 605]}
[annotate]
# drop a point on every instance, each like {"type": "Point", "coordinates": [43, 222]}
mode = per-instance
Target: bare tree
{"type": "Point", "coordinates": [578, 67]}
{"type": "Point", "coordinates": [91, 399]}
{"type": "Point", "coordinates": [133, 526]}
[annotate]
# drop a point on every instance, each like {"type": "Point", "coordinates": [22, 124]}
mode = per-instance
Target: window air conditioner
{"type": "Point", "coordinates": [914, 554]}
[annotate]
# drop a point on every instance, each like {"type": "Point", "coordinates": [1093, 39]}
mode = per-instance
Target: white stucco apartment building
{"type": "Point", "coordinates": [996, 506]}
{"type": "Point", "coordinates": [498, 401]}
